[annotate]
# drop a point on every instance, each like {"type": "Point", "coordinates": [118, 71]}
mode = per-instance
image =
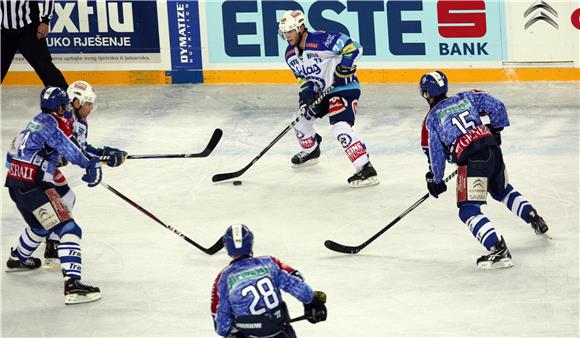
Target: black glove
{"type": "Point", "coordinates": [496, 133]}
{"type": "Point", "coordinates": [114, 157]}
{"type": "Point", "coordinates": [310, 112]}
{"type": "Point", "coordinates": [315, 311]}
{"type": "Point", "coordinates": [435, 189]}
{"type": "Point", "coordinates": [307, 93]}
{"type": "Point", "coordinates": [94, 174]}
{"type": "Point", "coordinates": [343, 75]}
{"type": "Point", "coordinates": [62, 162]}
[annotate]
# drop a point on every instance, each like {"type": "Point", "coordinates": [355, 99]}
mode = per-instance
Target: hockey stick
{"type": "Point", "coordinates": [213, 142]}
{"type": "Point", "coordinates": [355, 249]}
{"type": "Point", "coordinates": [210, 251]}
{"type": "Point", "coordinates": [227, 176]}
{"type": "Point", "coordinates": [297, 319]}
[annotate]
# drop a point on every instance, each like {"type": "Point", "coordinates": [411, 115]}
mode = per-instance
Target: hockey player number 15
{"type": "Point", "coordinates": [460, 122]}
{"type": "Point", "coordinates": [263, 289]}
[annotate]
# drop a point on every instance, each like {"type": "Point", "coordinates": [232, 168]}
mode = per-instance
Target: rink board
{"type": "Point", "coordinates": [218, 41]}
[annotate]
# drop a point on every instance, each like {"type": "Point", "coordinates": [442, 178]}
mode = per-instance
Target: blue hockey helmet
{"type": "Point", "coordinates": [238, 240]}
{"type": "Point", "coordinates": [53, 97]}
{"type": "Point", "coordinates": [434, 84]}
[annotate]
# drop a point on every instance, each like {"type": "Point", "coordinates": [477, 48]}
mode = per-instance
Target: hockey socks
{"type": "Point", "coordinates": [20, 258]}
{"type": "Point", "coordinates": [356, 151]}
{"type": "Point", "coordinates": [482, 229]}
{"type": "Point", "coordinates": [523, 209]}
{"type": "Point", "coordinates": [309, 141]}
{"type": "Point", "coordinates": [27, 243]}
{"type": "Point", "coordinates": [353, 147]}
{"type": "Point", "coordinates": [69, 254]}
{"type": "Point", "coordinates": [306, 135]}
{"type": "Point", "coordinates": [479, 225]}
{"type": "Point", "coordinates": [517, 203]}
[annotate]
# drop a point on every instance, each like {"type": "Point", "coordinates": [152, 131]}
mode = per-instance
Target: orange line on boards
{"type": "Point", "coordinates": [403, 75]}
{"type": "Point", "coordinates": [93, 77]}
{"type": "Point", "coordinates": [285, 76]}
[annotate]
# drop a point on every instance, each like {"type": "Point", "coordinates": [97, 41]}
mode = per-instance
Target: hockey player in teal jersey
{"type": "Point", "coordinates": [320, 60]}
{"type": "Point", "coordinates": [246, 296]}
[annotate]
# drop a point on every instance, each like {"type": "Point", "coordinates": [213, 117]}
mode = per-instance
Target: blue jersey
{"type": "Point", "coordinates": [251, 286]}
{"type": "Point", "coordinates": [323, 51]}
{"type": "Point", "coordinates": [454, 123]}
{"type": "Point", "coordinates": [40, 147]}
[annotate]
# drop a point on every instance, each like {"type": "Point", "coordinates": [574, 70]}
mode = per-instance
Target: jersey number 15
{"type": "Point", "coordinates": [460, 122]}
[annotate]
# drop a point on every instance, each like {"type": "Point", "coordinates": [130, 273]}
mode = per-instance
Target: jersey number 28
{"type": "Point", "coordinates": [262, 290]}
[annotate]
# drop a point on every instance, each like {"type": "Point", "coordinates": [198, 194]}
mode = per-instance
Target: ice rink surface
{"type": "Point", "coordinates": [418, 279]}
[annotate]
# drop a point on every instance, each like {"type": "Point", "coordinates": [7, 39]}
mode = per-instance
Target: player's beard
{"type": "Point", "coordinates": [298, 40]}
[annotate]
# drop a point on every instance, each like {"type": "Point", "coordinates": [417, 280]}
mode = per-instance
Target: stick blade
{"type": "Point", "coordinates": [331, 245]}
{"type": "Point", "coordinates": [213, 142]}
{"type": "Point", "coordinates": [225, 176]}
{"type": "Point", "coordinates": [216, 247]}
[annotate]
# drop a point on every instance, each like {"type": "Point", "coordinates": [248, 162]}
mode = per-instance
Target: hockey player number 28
{"type": "Point", "coordinates": [263, 289]}
{"type": "Point", "coordinates": [460, 122]}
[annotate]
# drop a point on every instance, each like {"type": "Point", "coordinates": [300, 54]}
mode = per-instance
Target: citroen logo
{"type": "Point", "coordinates": [538, 7]}
{"type": "Point", "coordinates": [43, 213]}
{"type": "Point", "coordinates": [478, 183]}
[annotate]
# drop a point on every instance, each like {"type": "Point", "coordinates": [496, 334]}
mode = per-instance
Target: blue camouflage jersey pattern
{"type": "Point", "coordinates": [454, 123]}
{"type": "Point", "coordinates": [43, 143]}
{"type": "Point", "coordinates": [251, 286]}
{"type": "Point", "coordinates": [323, 51]}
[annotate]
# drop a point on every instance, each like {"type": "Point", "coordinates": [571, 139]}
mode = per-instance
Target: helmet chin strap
{"type": "Point", "coordinates": [300, 36]}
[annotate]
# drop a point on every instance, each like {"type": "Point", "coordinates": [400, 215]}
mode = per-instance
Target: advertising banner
{"type": "Point", "coordinates": [411, 31]}
{"type": "Point", "coordinates": [543, 33]}
{"type": "Point", "coordinates": [185, 43]}
{"type": "Point", "coordinates": [111, 34]}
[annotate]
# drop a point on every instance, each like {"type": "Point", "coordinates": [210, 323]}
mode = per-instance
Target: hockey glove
{"type": "Point", "coordinates": [62, 162]}
{"type": "Point", "coordinates": [307, 93]}
{"type": "Point", "coordinates": [94, 174]}
{"type": "Point", "coordinates": [310, 112]}
{"type": "Point", "coordinates": [343, 75]}
{"type": "Point", "coordinates": [114, 157]}
{"type": "Point", "coordinates": [435, 189]}
{"type": "Point", "coordinates": [315, 311]}
{"type": "Point", "coordinates": [496, 133]}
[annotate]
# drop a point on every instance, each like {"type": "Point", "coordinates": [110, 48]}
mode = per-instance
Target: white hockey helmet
{"type": "Point", "coordinates": [291, 20]}
{"type": "Point", "coordinates": [82, 91]}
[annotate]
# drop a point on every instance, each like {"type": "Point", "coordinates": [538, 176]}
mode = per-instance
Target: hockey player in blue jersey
{"type": "Point", "coordinates": [320, 60]}
{"type": "Point", "coordinates": [82, 100]}
{"type": "Point", "coordinates": [32, 165]}
{"type": "Point", "coordinates": [453, 130]}
{"type": "Point", "coordinates": [246, 295]}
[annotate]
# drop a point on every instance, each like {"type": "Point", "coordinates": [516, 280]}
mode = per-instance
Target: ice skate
{"type": "Point", "coordinates": [367, 176]}
{"type": "Point", "coordinates": [538, 224]}
{"type": "Point", "coordinates": [76, 292]}
{"type": "Point", "coordinates": [499, 258]}
{"type": "Point", "coordinates": [304, 158]}
{"type": "Point", "coordinates": [14, 263]}
{"type": "Point", "coordinates": [51, 260]}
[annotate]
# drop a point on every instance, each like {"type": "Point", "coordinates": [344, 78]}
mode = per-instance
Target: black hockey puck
{"type": "Point", "coordinates": [237, 182]}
